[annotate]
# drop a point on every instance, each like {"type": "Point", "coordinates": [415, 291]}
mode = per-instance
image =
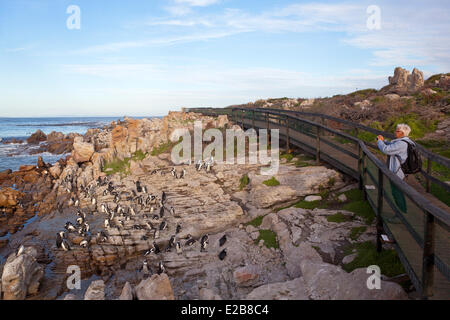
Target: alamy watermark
{"type": "Point", "coordinates": [74, 20]}
{"type": "Point", "coordinates": [374, 19]}
{"type": "Point", "coordinates": [235, 147]}
{"type": "Point", "coordinates": [74, 280]}
{"type": "Point", "coordinates": [373, 281]}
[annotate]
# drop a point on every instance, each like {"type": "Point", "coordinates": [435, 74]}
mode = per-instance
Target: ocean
{"type": "Point", "coordinates": [12, 156]}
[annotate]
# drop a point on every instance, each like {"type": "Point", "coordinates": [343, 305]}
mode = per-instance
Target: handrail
{"type": "Point", "coordinates": [432, 214]}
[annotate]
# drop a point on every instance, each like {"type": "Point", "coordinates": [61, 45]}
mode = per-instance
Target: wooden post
{"type": "Point", "coordinates": [428, 257]}
{"type": "Point", "coordinates": [379, 210]}
{"type": "Point", "coordinates": [364, 169]}
{"type": "Point", "coordinates": [287, 134]}
{"type": "Point", "coordinates": [429, 172]}
{"type": "Point", "coordinates": [253, 119]}
{"type": "Point", "coordinates": [318, 146]}
{"type": "Point", "coordinates": [360, 167]}
{"type": "Point", "coordinates": [242, 119]}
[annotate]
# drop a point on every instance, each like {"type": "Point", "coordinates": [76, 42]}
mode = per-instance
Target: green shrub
{"type": "Point", "coordinates": [117, 166]}
{"type": "Point", "coordinates": [269, 237]}
{"type": "Point", "coordinates": [362, 209]}
{"type": "Point", "coordinates": [255, 222]}
{"type": "Point", "coordinates": [244, 181]}
{"type": "Point", "coordinates": [271, 182]}
{"type": "Point", "coordinates": [356, 232]}
{"type": "Point", "coordinates": [367, 255]}
{"type": "Point", "coordinates": [139, 155]}
{"type": "Point", "coordinates": [339, 218]}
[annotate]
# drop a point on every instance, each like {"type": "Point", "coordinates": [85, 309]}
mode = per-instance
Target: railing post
{"type": "Point", "coordinates": [428, 257]}
{"type": "Point", "coordinates": [429, 172]}
{"type": "Point", "coordinates": [360, 169]}
{"type": "Point", "coordinates": [318, 146]}
{"type": "Point", "coordinates": [253, 119]}
{"type": "Point", "coordinates": [287, 134]}
{"type": "Point", "coordinates": [379, 210]}
{"type": "Point", "coordinates": [242, 119]}
{"type": "Point", "coordinates": [364, 169]}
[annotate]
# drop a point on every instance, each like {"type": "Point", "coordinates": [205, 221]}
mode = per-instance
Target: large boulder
{"type": "Point", "coordinates": [404, 82]}
{"type": "Point", "coordinates": [21, 275]}
{"type": "Point", "coordinates": [37, 137]}
{"type": "Point", "coordinates": [289, 290]}
{"type": "Point", "coordinates": [82, 151]}
{"type": "Point", "coordinates": [9, 197]}
{"type": "Point", "coordinates": [96, 291]}
{"type": "Point", "coordinates": [127, 292]}
{"type": "Point", "coordinates": [157, 287]}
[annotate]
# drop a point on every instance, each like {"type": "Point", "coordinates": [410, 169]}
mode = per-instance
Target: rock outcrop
{"type": "Point", "coordinates": [21, 275]}
{"type": "Point", "coordinates": [37, 137]}
{"type": "Point", "coordinates": [404, 82]}
{"type": "Point", "coordinates": [157, 287]}
{"type": "Point", "coordinates": [82, 151]}
{"type": "Point", "coordinates": [95, 291]}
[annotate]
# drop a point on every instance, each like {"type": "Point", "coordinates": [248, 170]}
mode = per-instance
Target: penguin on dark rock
{"type": "Point", "coordinates": [223, 240]}
{"type": "Point", "coordinates": [223, 254]}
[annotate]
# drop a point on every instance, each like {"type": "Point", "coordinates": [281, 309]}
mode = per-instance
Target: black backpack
{"type": "Point", "coordinates": [413, 162]}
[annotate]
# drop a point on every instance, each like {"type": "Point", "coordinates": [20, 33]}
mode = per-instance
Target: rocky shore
{"type": "Point", "coordinates": [286, 240]}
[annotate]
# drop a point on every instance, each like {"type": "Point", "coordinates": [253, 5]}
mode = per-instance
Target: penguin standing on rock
{"type": "Point", "coordinates": [60, 236]}
{"type": "Point", "coordinates": [161, 268]}
{"type": "Point", "coordinates": [204, 243]}
{"type": "Point", "coordinates": [223, 254]}
{"type": "Point", "coordinates": [163, 197]}
{"type": "Point", "coordinates": [20, 250]}
{"type": "Point", "coordinates": [189, 241]}
{"type": "Point", "coordinates": [138, 186]}
{"type": "Point", "coordinates": [178, 247]}
{"type": "Point", "coordinates": [65, 245]}
{"type": "Point", "coordinates": [161, 212]}
{"type": "Point", "coordinates": [223, 240]}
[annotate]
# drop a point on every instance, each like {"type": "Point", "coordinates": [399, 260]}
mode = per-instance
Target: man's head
{"type": "Point", "coordinates": [402, 130]}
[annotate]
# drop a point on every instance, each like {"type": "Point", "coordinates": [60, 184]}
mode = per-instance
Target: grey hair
{"type": "Point", "coordinates": [404, 128]}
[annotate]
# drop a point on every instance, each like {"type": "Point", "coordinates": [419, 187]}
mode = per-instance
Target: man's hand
{"type": "Point", "coordinates": [380, 138]}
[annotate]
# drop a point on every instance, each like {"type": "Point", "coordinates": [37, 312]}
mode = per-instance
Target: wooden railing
{"type": "Point", "coordinates": [419, 228]}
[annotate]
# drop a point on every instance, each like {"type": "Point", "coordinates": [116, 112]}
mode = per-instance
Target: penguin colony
{"type": "Point", "coordinates": [151, 206]}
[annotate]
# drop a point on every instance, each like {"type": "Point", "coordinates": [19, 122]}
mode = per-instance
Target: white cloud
{"type": "Point", "coordinates": [197, 3]}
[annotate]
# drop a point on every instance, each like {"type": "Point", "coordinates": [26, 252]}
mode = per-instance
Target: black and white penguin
{"type": "Point", "coordinates": [107, 223]}
{"type": "Point", "coordinates": [173, 172]}
{"type": "Point", "coordinates": [178, 230]}
{"type": "Point", "coordinates": [86, 227]}
{"type": "Point", "coordinates": [116, 198]}
{"type": "Point", "coordinates": [172, 211]}
{"type": "Point", "coordinates": [70, 227]}
{"type": "Point", "coordinates": [172, 241]}
{"type": "Point", "coordinates": [65, 245]}
{"type": "Point", "coordinates": [144, 189]}
{"type": "Point", "coordinates": [138, 186]}
{"type": "Point", "coordinates": [161, 268]}
{"type": "Point", "coordinates": [156, 234]}
{"type": "Point", "coordinates": [223, 240]}
{"type": "Point", "coordinates": [149, 225]}
{"type": "Point", "coordinates": [60, 236]}
{"type": "Point", "coordinates": [145, 270]}
{"type": "Point", "coordinates": [94, 201]}
{"type": "Point", "coordinates": [203, 243]}
{"type": "Point", "coordinates": [163, 226]}
{"type": "Point", "coordinates": [161, 212]}
{"type": "Point", "coordinates": [223, 254]}
{"type": "Point", "coordinates": [178, 247]}
{"type": "Point", "coordinates": [101, 236]}
{"type": "Point", "coordinates": [163, 197]}
{"type": "Point", "coordinates": [84, 243]}
{"type": "Point", "coordinates": [155, 217]}
{"type": "Point", "coordinates": [156, 248]}
{"type": "Point", "coordinates": [190, 241]}
{"type": "Point", "coordinates": [80, 220]}
{"type": "Point", "coordinates": [103, 208]}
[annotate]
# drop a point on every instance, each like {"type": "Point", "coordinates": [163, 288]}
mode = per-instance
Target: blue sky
{"type": "Point", "coordinates": [146, 57]}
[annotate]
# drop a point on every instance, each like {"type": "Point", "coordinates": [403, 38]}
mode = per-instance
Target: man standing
{"type": "Point", "coordinates": [397, 151]}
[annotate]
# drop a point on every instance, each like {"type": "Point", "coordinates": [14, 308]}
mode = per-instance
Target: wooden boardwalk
{"type": "Point", "coordinates": [347, 154]}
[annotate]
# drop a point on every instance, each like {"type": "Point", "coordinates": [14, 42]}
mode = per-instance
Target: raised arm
{"type": "Point", "coordinates": [391, 148]}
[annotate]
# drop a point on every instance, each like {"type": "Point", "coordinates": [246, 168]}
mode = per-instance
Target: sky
{"type": "Point", "coordinates": [146, 57]}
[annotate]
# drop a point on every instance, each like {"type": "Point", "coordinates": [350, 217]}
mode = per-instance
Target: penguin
{"type": "Point", "coordinates": [172, 211]}
{"type": "Point", "coordinates": [156, 248]}
{"type": "Point", "coordinates": [156, 234]}
{"type": "Point", "coordinates": [144, 189]}
{"type": "Point", "coordinates": [71, 202]}
{"type": "Point", "coordinates": [144, 238]}
{"type": "Point", "coordinates": [152, 209]}
{"type": "Point", "coordinates": [223, 254]}
{"type": "Point", "coordinates": [178, 230]}
{"type": "Point", "coordinates": [94, 201]}
{"type": "Point", "coordinates": [84, 243]}
{"type": "Point", "coordinates": [103, 208]}
{"type": "Point", "coordinates": [138, 186]}
{"type": "Point", "coordinates": [173, 172]}
{"type": "Point", "coordinates": [80, 221]}
{"type": "Point", "coordinates": [161, 268]}
{"type": "Point", "coordinates": [155, 217]}
{"type": "Point", "coordinates": [203, 243]}
{"type": "Point", "coordinates": [81, 214]}
{"type": "Point", "coordinates": [116, 198]}
{"type": "Point", "coordinates": [149, 225]}
{"type": "Point", "coordinates": [86, 227]}
{"type": "Point", "coordinates": [20, 250]}
{"type": "Point", "coordinates": [178, 247]}
{"type": "Point", "coordinates": [59, 238]}
{"type": "Point", "coordinates": [69, 227]}
{"type": "Point", "coordinates": [107, 223]}
{"type": "Point", "coordinates": [223, 240]}
{"type": "Point", "coordinates": [161, 212]}
{"type": "Point", "coordinates": [172, 241]}
{"type": "Point", "coordinates": [132, 212]}
{"type": "Point", "coordinates": [101, 236]}
{"type": "Point", "coordinates": [189, 241]}
{"type": "Point", "coordinates": [163, 226]}
{"type": "Point", "coordinates": [105, 193]}
{"type": "Point", "coordinates": [65, 245]}
{"type": "Point", "coordinates": [145, 270]}
{"type": "Point", "coordinates": [183, 173]}
{"type": "Point", "coordinates": [163, 197]}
